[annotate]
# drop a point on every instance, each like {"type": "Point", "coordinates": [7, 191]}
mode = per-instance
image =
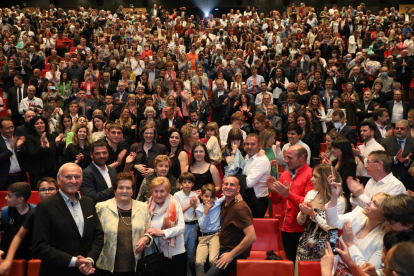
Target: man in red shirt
{"type": "Point", "coordinates": [62, 43]}
{"type": "Point", "coordinates": [291, 189]}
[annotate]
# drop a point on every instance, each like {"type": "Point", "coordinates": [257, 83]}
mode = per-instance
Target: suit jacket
{"type": "Point", "coordinates": [338, 85]}
{"type": "Point", "coordinates": [287, 72]}
{"type": "Point", "coordinates": [335, 95]}
{"type": "Point", "coordinates": [94, 185]}
{"type": "Point", "coordinates": [157, 73]}
{"type": "Point", "coordinates": [56, 238]}
{"type": "Point", "coordinates": [12, 101]}
{"type": "Point", "coordinates": [37, 62]}
{"type": "Point", "coordinates": [111, 88]}
{"type": "Point", "coordinates": [124, 97]}
{"type": "Point", "coordinates": [243, 71]}
{"type": "Point", "coordinates": [363, 114]}
{"type": "Point", "coordinates": [400, 170]}
{"type": "Point", "coordinates": [285, 116]}
{"type": "Point", "coordinates": [164, 126]}
{"type": "Point", "coordinates": [398, 66]}
{"type": "Point", "coordinates": [216, 104]}
{"type": "Point", "coordinates": [87, 113]}
{"type": "Point", "coordinates": [390, 106]}
{"type": "Point", "coordinates": [203, 116]}
{"type": "Point", "coordinates": [349, 133]}
{"type": "Point", "coordinates": [7, 80]}
{"type": "Point", "coordinates": [5, 154]}
{"type": "Point", "coordinates": [112, 116]}
{"type": "Point", "coordinates": [357, 84]}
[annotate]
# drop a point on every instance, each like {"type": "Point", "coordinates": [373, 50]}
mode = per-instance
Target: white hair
{"type": "Point", "coordinates": [59, 174]}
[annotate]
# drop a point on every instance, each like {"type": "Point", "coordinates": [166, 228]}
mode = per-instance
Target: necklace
{"type": "Point", "coordinates": [122, 218]}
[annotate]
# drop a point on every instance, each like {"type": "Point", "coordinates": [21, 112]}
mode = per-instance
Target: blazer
{"type": "Point", "coordinates": [205, 85]}
{"type": "Point", "coordinates": [349, 133]}
{"type": "Point", "coordinates": [335, 95]}
{"type": "Point", "coordinates": [157, 73]}
{"type": "Point", "coordinates": [56, 238]}
{"type": "Point", "coordinates": [37, 62]}
{"type": "Point", "coordinates": [40, 160]}
{"type": "Point", "coordinates": [400, 170]}
{"type": "Point", "coordinates": [88, 113]}
{"type": "Point", "coordinates": [203, 116]}
{"type": "Point", "coordinates": [398, 66]}
{"type": "Point", "coordinates": [164, 126]}
{"type": "Point", "coordinates": [285, 116]}
{"type": "Point", "coordinates": [153, 152]}
{"type": "Point", "coordinates": [124, 97]}
{"type": "Point", "coordinates": [363, 114]}
{"type": "Point", "coordinates": [12, 101]}
{"type": "Point", "coordinates": [35, 83]}
{"type": "Point", "coordinates": [107, 212]}
{"type": "Point", "coordinates": [111, 88]}
{"type": "Point", "coordinates": [5, 154]}
{"type": "Point", "coordinates": [390, 106]}
{"type": "Point", "coordinates": [217, 106]}
{"type": "Point", "coordinates": [94, 185]}
{"type": "Point", "coordinates": [357, 84]}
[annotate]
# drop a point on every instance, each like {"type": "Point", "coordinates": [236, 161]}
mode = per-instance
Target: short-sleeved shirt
{"type": "Point", "coordinates": [234, 219]}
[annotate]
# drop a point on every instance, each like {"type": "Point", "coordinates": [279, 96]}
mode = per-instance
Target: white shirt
{"type": "Point", "coordinates": [259, 98]}
{"type": "Point", "coordinates": [14, 163]}
{"type": "Point", "coordinates": [397, 112]}
{"type": "Point", "coordinates": [366, 149]}
{"type": "Point", "coordinates": [257, 169]}
{"type": "Point", "coordinates": [170, 122]}
{"type": "Point", "coordinates": [389, 184]}
{"type": "Point", "coordinates": [184, 200]}
{"type": "Point", "coordinates": [410, 48]}
{"type": "Point", "coordinates": [279, 153]}
{"type": "Point", "coordinates": [26, 103]}
{"type": "Point", "coordinates": [224, 132]}
{"type": "Point", "coordinates": [105, 175]}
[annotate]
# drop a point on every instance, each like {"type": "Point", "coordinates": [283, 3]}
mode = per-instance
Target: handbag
{"type": "Point", "coordinates": [153, 264]}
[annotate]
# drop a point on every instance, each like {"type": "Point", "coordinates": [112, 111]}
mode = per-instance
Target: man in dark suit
{"type": "Point", "coordinates": [217, 102]}
{"type": "Point", "coordinates": [108, 109]}
{"type": "Point", "coordinates": [293, 71]}
{"type": "Point", "coordinates": [23, 129]}
{"type": "Point", "coordinates": [198, 123]}
{"type": "Point", "coordinates": [289, 106]}
{"type": "Point", "coordinates": [169, 122]}
{"type": "Point", "coordinates": [16, 94]}
{"type": "Point", "coordinates": [36, 61]}
{"type": "Point", "coordinates": [152, 72]}
{"type": "Point", "coordinates": [404, 66]}
{"type": "Point", "coordinates": [7, 77]}
{"type": "Point", "coordinates": [381, 119]}
{"type": "Point", "coordinates": [401, 148]}
{"type": "Point", "coordinates": [121, 97]}
{"type": "Point", "coordinates": [338, 120]}
{"type": "Point", "coordinates": [38, 81]}
{"type": "Point", "coordinates": [364, 109]}
{"type": "Point", "coordinates": [106, 86]}
{"type": "Point", "coordinates": [357, 80]}
{"type": "Point", "coordinates": [97, 177]}
{"type": "Point", "coordinates": [86, 106]}
{"type": "Point", "coordinates": [328, 95]}
{"type": "Point", "coordinates": [398, 108]}
{"type": "Point", "coordinates": [67, 233]}
{"type": "Point", "coordinates": [200, 106]}
{"type": "Point", "coordinates": [11, 170]}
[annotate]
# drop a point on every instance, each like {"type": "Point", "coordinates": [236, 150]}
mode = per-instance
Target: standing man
{"type": "Point", "coordinates": [16, 94]}
{"type": "Point", "coordinates": [30, 102]}
{"type": "Point", "coordinates": [328, 95]}
{"type": "Point", "coordinates": [401, 147]}
{"type": "Point", "coordinates": [254, 82]}
{"type": "Point", "coordinates": [257, 169]}
{"type": "Point", "coordinates": [67, 233]}
{"type": "Point", "coordinates": [98, 177]}
{"type": "Point", "coordinates": [237, 231]}
{"type": "Point", "coordinates": [201, 107]}
{"type": "Point", "coordinates": [291, 189]}
{"type": "Point", "coordinates": [10, 146]}
{"type": "Point", "coordinates": [218, 102]}
{"type": "Point", "coordinates": [168, 123]}
{"type": "Point", "coordinates": [404, 66]}
{"type": "Point", "coordinates": [338, 119]}
{"type": "Point", "coordinates": [117, 147]}
{"type": "Point", "coordinates": [398, 109]}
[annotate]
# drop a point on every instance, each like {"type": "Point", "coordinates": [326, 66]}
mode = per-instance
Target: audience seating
{"type": "Point", "coordinates": [18, 268]}
{"type": "Point", "coordinates": [267, 238]}
{"type": "Point", "coordinates": [265, 268]}
{"type": "Point", "coordinates": [33, 267]}
{"type": "Point", "coordinates": [309, 268]}
{"type": "Point", "coordinates": [34, 198]}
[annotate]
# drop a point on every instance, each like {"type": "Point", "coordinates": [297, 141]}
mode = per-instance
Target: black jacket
{"type": "Point", "coordinates": [94, 185]}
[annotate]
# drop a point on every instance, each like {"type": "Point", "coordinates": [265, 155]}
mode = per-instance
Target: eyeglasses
{"type": "Point", "coordinates": [47, 190]}
{"type": "Point", "coordinates": [390, 269]}
{"type": "Point", "coordinates": [369, 162]}
{"type": "Point", "coordinates": [391, 223]}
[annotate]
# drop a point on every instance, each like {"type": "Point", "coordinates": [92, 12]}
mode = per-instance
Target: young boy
{"type": "Point", "coordinates": [208, 215]}
{"type": "Point", "coordinates": [189, 202]}
{"type": "Point", "coordinates": [46, 186]}
{"type": "Point", "coordinates": [12, 217]}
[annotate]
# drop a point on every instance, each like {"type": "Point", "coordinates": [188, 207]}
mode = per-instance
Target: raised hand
{"type": "Point", "coordinates": [354, 186]}
{"type": "Point", "coordinates": [347, 234]}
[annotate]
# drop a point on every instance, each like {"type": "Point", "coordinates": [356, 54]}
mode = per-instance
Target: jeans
{"type": "Point", "coordinates": [215, 271]}
{"type": "Point", "coordinates": [290, 244]}
{"type": "Point", "coordinates": [190, 239]}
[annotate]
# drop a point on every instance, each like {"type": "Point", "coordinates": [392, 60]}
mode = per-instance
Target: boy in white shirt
{"type": "Point", "coordinates": [189, 202]}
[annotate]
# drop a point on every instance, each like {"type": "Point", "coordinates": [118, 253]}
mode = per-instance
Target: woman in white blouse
{"type": "Point", "coordinates": [363, 229]}
{"type": "Point", "coordinates": [53, 74]}
{"type": "Point", "coordinates": [167, 225]}
{"type": "Point", "coordinates": [237, 82]}
{"type": "Point", "coordinates": [353, 44]}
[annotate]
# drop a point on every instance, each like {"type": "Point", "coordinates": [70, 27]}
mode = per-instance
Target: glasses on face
{"type": "Point", "coordinates": [390, 269]}
{"type": "Point", "coordinates": [369, 162]}
{"type": "Point", "coordinates": [47, 190]}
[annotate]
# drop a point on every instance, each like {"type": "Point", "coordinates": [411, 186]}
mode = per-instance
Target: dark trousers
{"type": "Point", "coordinates": [290, 244]}
{"type": "Point", "coordinates": [108, 273]}
{"type": "Point", "coordinates": [13, 179]}
{"type": "Point", "coordinates": [61, 52]}
{"type": "Point", "coordinates": [177, 265]}
{"type": "Point", "coordinates": [215, 271]}
{"type": "Point", "coordinates": [259, 210]}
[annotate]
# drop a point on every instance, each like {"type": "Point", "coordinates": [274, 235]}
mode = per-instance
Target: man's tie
{"type": "Point", "coordinates": [403, 69]}
{"type": "Point", "coordinates": [400, 144]}
{"type": "Point", "coordinates": [254, 87]}
{"type": "Point", "coordinates": [20, 94]}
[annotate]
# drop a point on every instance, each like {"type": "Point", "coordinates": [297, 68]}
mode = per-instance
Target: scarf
{"type": "Point", "coordinates": [169, 209]}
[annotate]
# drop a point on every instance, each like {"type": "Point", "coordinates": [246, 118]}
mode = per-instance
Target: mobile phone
{"type": "Point", "coordinates": [52, 87]}
{"type": "Point", "coordinates": [333, 173]}
{"type": "Point", "coordinates": [333, 239]}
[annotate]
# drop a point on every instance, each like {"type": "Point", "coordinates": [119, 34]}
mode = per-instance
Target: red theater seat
{"type": "Point", "coordinates": [34, 198]}
{"type": "Point", "coordinates": [33, 267]}
{"type": "Point", "coordinates": [309, 268]}
{"type": "Point", "coordinates": [267, 238]}
{"type": "Point", "coordinates": [18, 268]}
{"type": "Point", "coordinates": [265, 268]}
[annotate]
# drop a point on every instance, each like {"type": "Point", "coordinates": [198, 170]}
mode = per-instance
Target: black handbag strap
{"type": "Point", "coordinates": [153, 244]}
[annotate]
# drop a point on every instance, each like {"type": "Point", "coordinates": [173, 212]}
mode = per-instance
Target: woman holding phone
{"type": "Point", "coordinates": [50, 91]}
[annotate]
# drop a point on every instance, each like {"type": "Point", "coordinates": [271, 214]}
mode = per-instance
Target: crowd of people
{"type": "Point", "coordinates": [160, 131]}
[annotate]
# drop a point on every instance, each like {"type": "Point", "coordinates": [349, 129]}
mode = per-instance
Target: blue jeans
{"type": "Point", "coordinates": [215, 271]}
{"type": "Point", "coordinates": [190, 238]}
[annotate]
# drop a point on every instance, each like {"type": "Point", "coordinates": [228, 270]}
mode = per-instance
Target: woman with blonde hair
{"type": "Point", "coordinates": [149, 114]}
{"type": "Point", "coordinates": [316, 106]}
{"type": "Point", "coordinates": [78, 151]}
{"type": "Point", "coordinates": [312, 243]}
{"type": "Point", "coordinates": [260, 123]}
{"type": "Point", "coordinates": [212, 141]}
{"type": "Point", "coordinates": [180, 92]}
{"type": "Point", "coordinates": [190, 137]}
{"type": "Point", "coordinates": [131, 104]}
{"type": "Point", "coordinates": [159, 97]}
{"type": "Point", "coordinates": [128, 125]}
{"type": "Point", "coordinates": [172, 103]}
{"type": "Point", "coordinates": [267, 140]}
